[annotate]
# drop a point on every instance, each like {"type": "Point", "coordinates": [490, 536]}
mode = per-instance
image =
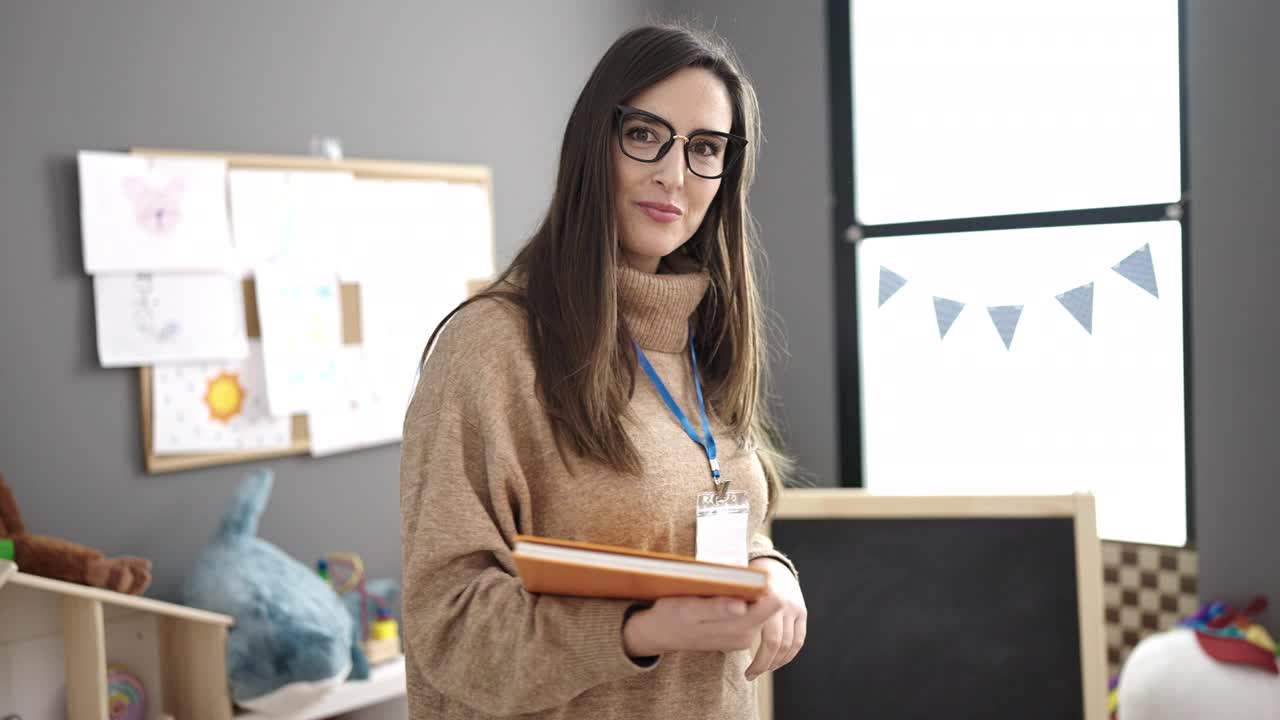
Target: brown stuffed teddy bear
{"type": "Point", "coordinates": [63, 560]}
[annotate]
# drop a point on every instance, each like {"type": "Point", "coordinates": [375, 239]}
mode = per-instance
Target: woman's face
{"type": "Point", "coordinates": [659, 205]}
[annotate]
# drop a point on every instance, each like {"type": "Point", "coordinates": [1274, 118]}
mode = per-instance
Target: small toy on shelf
{"type": "Point", "coordinates": [126, 698]}
{"type": "Point", "coordinates": [293, 641]}
{"type": "Point", "coordinates": [1113, 697]}
{"type": "Point", "coordinates": [61, 559]}
{"type": "Point", "coordinates": [379, 635]}
{"type": "Point", "coordinates": [384, 627]}
{"type": "Point", "coordinates": [1217, 664]}
{"type": "Point", "coordinates": [384, 638]}
{"type": "Point", "coordinates": [1231, 636]}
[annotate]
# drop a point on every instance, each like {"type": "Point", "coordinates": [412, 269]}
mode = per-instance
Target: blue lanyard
{"type": "Point", "coordinates": [708, 445]}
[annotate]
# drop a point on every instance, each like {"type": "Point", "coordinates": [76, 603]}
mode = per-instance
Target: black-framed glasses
{"type": "Point", "coordinates": [647, 137]}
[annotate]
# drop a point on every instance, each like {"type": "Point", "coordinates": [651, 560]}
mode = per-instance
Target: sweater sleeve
{"type": "Point", "coordinates": [762, 546]}
{"type": "Point", "coordinates": [470, 628]}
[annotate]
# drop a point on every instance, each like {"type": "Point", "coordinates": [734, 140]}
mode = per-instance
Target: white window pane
{"type": "Point", "coordinates": [1061, 410]}
{"type": "Point", "coordinates": [993, 107]}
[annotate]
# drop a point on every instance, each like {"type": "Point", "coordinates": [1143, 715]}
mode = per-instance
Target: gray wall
{"type": "Point", "coordinates": [417, 81]}
{"type": "Point", "coordinates": [1235, 257]}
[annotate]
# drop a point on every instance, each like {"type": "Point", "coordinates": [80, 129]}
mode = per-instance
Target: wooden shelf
{"type": "Point", "coordinates": [178, 652]}
{"type": "Point", "coordinates": [7, 570]}
{"type": "Point", "coordinates": [386, 682]}
{"type": "Point", "coordinates": [132, 602]}
{"type": "Point", "coordinates": [184, 666]}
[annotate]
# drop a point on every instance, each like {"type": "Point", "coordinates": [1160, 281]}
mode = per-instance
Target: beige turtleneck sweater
{"type": "Point", "coordinates": [480, 465]}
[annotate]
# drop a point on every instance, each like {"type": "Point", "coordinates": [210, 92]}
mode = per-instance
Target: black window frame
{"type": "Point", "coordinates": [848, 231]}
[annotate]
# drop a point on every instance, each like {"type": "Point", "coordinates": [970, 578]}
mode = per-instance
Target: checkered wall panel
{"type": "Point", "coordinates": [1146, 589]}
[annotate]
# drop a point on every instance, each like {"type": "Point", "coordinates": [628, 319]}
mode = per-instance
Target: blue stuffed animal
{"type": "Point", "coordinates": [293, 640]}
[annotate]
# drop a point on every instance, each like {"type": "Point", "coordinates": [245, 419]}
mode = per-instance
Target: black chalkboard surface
{"type": "Point", "coordinates": [955, 616]}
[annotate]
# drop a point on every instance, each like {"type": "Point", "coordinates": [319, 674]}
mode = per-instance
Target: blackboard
{"type": "Point", "coordinates": [972, 612]}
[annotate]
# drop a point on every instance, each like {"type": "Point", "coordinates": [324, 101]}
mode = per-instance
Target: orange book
{"type": "Point", "coordinates": [563, 567]}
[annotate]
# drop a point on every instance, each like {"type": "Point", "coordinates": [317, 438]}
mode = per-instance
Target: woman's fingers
{"type": "Point", "coordinates": [770, 643]}
{"type": "Point", "coordinates": [799, 630]}
{"type": "Point", "coordinates": [712, 610]}
{"type": "Point", "coordinates": [786, 648]}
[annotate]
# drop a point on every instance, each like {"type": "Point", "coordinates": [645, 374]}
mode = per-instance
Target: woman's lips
{"type": "Point", "coordinates": [661, 212]}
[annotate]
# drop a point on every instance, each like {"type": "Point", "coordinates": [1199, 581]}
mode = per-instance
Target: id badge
{"type": "Point", "coordinates": [722, 527]}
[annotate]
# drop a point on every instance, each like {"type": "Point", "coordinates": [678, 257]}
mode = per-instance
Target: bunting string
{"type": "Point", "coordinates": [1137, 268]}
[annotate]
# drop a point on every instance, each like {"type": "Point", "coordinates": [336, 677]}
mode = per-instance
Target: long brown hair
{"type": "Point", "coordinates": [583, 354]}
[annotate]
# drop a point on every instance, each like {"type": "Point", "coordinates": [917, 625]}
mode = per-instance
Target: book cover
{"type": "Point", "coordinates": [563, 567]}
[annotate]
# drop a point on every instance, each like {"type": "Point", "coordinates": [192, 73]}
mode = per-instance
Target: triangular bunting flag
{"type": "Point", "coordinates": [1079, 302]}
{"type": "Point", "coordinates": [1006, 319]}
{"type": "Point", "coordinates": [946, 310]}
{"type": "Point", "coordinates": [890, 283]}
{"type": "Point", "coordinates": [1139, 270]}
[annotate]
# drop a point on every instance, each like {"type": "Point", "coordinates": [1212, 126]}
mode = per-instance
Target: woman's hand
{"type": "Point", "coordinates": [693, 623]}
{"type": "Point", "coordinates": [782, 634]}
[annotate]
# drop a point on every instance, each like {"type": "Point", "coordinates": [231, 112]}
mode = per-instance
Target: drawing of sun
{"type": "Point", "coordinates": [225, 397]}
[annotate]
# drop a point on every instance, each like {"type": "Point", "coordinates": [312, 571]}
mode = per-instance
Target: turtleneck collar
{"type": "Point", "coordinates": [657, 306]}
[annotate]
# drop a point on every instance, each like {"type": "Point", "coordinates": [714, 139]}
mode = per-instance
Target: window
{"type": "Point", "coordinates": [1011, 269]}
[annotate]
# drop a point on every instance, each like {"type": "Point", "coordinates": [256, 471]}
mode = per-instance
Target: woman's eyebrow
{"type": "Point", "coordinates": [665, 120]}
{"type": "Point", "coordinates": [704, 129]}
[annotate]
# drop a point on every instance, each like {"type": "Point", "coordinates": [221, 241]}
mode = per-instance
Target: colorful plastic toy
{"type": "Point", "coordinates": [126, 698]}
{"type": "Point", "coordinates": [380, 637]}
{"type": "Point", "coordinates": [1217, 664]}
{"type": "Point", "coordinates": [1231, 636]}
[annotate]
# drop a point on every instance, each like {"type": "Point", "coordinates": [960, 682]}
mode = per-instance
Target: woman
{"type": "Point", "coordinates": [540, 411]}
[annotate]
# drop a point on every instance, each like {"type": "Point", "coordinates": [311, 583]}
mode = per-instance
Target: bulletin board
{"type": "Point", "coordinates": [361, 169]}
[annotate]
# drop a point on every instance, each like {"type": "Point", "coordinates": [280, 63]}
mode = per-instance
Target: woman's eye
{"type": "Point", "coordinates": [706, 148]}
{"type": "Point", "coordinates": [641, 134]}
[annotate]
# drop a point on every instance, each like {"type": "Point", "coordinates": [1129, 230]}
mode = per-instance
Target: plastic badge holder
{"type": "Point", "coordinates": [722, 527]}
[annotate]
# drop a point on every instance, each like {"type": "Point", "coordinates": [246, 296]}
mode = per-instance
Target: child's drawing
{"type": "Point", "coordinates": [146, 311]}
{"type": "Point", "coordinates": [301, 318]}
{"type": "Point", "coordinates": [140, 214]}
{"type": "Point", "coordinates": [158, 208]}
{"type": "Point", "coordinates": [209, 407]}
{"type": "Point", "coordinates": [146, 319]}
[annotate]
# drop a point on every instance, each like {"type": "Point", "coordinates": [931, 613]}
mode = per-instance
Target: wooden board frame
{"type": "Point", "coordinates": [819, 503]}
{"type": "Point", "coordinates": [362, 169]}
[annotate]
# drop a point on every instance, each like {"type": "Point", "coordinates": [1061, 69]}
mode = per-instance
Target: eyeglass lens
{"type": "Point", "coordinates": [643, 138]}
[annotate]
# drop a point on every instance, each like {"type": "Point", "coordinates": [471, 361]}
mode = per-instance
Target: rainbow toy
{"type": "Point", "coordinates": [126, 698]}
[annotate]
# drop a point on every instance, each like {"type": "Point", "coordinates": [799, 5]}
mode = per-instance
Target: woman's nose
{"type": "Point", "coordinates": [671, 168]}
